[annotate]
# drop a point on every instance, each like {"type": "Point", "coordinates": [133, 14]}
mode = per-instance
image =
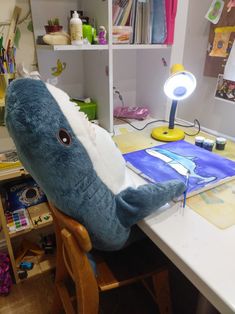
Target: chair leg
{"type": "Point", "coordinates": [162, 291]}
{"type": "Point", "coordinates": [61, 274]}
{"type": "Point", "coordinates": [57, 306]}
{"type": "Point", "coordinates": [65, 298]}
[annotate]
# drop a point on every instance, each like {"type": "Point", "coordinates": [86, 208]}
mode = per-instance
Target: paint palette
{"type": "Point", "coordinates": [17, 220]}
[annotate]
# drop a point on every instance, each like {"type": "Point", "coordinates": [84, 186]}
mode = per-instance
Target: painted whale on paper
{"type": "Point", "coordinates": [183, 165]}
{"type": "Point", "coordinates": [176, 159]}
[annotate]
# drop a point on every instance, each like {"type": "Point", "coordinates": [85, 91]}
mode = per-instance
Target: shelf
{"type": "Point", "coordinates": [12, 173]}
{"type": "Point", "coordinates": [41, 265]}
{"type": "Point", "coordinates": [73, 47]}
{"type": "Point", "coordinates": [31, 228]}
{"type": "Point", "coordinates": [138, 47]}
{"type": "Point", "coordinates": [101, 47]}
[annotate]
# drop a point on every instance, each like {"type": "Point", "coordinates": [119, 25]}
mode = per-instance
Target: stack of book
{"type": "Point", "coordinates": [152, 21]}
{"type": "Point", "coordinates": [9, 161]}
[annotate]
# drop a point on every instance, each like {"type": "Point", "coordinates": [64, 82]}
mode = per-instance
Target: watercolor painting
{"type": "Point", "coordinates": [177, 159]}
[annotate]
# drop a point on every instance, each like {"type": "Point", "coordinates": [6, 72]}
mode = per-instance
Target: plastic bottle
{"type": "Point", "coordinates": [76, 29]}
{"type": "Point", "coordinates": [86, 29]}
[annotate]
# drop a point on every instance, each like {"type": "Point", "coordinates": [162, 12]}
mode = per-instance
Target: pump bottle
{"type": "Point", "coordinates": [76, 29]}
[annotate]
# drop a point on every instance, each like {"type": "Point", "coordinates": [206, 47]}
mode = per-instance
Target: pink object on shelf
{"type": "Point", "coordinates": [139, 113]}
{"type": "Point", "coordinates": [171, 9]}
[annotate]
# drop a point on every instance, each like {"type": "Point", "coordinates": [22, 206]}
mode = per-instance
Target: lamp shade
{"type": "Point", "coordinates": [180, 84]}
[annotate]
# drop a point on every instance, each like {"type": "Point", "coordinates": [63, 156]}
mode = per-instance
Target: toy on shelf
{"type": "Point", "coordinates": [26, 265]}
{"type": "Point", "coordinates": [40, 214]}
{"type": "Point", "coordinates": [27, 248]}
{"type": "Point", "coordinates": [102, 36]}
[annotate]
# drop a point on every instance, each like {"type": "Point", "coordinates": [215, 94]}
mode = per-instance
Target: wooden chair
{"type": "Point", "coordinates": [113, 269]}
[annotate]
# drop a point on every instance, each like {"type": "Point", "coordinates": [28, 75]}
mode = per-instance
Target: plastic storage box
{"type": "Point", "coordinates": [122, 34]}
{"type": "Point", "coordinates": [89, 109]}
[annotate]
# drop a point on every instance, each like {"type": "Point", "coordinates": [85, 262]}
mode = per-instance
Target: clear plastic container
{"type": "Point", "coordinates": [122, 34]}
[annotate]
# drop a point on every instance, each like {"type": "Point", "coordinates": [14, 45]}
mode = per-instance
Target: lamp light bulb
{"type": "Point", "coordinates": [180, 85]}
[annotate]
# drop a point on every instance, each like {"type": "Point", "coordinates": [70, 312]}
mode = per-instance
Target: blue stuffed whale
{"type": "Point", "coordinates": [64, 159]}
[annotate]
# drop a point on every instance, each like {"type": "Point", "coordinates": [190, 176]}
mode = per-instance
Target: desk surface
{"type": "Point", "coordinates": [203, 252]}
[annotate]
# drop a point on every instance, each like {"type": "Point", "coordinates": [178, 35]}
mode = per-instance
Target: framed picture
{"type": "Point", "coordinates": [225, 89]}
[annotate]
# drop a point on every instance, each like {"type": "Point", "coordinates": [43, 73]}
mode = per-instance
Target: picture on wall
{"type": "Point", "coordinates": [225, 89]}
{"type": "Point", "coordinates": [175, 160]}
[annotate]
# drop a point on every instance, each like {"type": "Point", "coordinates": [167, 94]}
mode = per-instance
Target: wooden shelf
{"type": "Point", "coordinates": [12, 173]}
{"type": "Point", "coordinates": [41, 265]}
{"type": "Point", "coordinates": [31, 228]}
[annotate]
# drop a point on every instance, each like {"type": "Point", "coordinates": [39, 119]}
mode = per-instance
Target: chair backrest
{"type": "Point", "coordinates": [73, 244]}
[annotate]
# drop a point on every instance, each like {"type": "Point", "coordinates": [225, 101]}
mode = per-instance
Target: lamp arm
{"type": "Point", "coordinates": [172, 114]}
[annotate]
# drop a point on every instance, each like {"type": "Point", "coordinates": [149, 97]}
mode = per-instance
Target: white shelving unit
{"type": "Point", "coordinates": [137, 71]}
{"type": "Point", "coordinates": [72, 48]}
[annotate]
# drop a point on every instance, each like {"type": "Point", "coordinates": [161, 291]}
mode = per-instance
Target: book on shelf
{"type": "Point", "coordinates": [9, 161]}
{"type": "Point", "coordinates": [23, 193]}
{"type": "Point", "coordinates": [171, 9]}
{"type": "Point", "coordinates": [152, 21]}
{"type": "Point", "coordinates": [126, 14]}
{"type": "Point", "coordinates": [143, 25]}
{"type": "Point", "coordinates": [120, 11]}
{"type": "Point", "coordinates": [159, 30]}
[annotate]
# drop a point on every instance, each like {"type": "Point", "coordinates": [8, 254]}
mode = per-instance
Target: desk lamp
{"type": "Point", "coordinates": [178, 86]}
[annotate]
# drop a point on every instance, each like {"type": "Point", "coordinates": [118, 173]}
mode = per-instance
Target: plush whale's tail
{"type": "Point", "coordinates": [135, 204]}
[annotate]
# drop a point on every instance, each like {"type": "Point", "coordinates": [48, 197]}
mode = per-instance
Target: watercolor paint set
{"type": "Point", "coordinates": [17, 220]}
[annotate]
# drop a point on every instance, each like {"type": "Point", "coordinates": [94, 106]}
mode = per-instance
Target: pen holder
{"type": "Point", "coordinates": [5, 80]}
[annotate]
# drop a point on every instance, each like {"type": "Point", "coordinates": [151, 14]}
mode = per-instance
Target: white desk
{"type": "Point", "coordinates": [204, 253]}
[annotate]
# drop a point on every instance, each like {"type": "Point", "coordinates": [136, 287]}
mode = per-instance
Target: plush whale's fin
{"type": "Point", "coordinates": [135, 204]}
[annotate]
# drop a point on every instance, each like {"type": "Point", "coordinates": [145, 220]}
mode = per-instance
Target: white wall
{"type": "Point", "coordinates": [25, 51]}
{"type": "Point", "coordinates": [213, 114]}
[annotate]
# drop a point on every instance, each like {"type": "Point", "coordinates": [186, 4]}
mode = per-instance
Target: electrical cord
{"type": "Point", "coordinates": [140, 129]}
{"type": "Point", "coordinates": [195, 123]}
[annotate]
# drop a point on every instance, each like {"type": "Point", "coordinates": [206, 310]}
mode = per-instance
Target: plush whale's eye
{"type": "Point", "coordinates": [64, 137]}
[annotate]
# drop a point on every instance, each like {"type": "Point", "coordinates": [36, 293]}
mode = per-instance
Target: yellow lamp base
{"type": "Point", "coordinates": [163, 133]}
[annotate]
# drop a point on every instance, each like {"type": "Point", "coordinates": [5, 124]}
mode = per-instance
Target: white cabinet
{"type": "Point", "coordinates": [138, 71]}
